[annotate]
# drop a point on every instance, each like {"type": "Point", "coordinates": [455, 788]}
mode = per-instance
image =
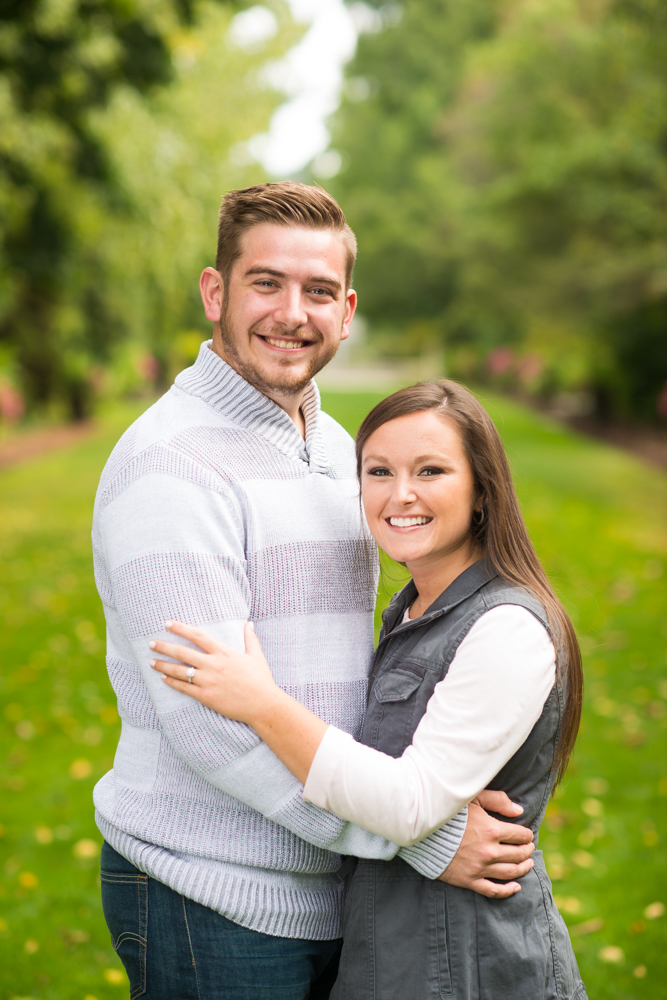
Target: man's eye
{"type": "Point", "coordinates": [320, 291]}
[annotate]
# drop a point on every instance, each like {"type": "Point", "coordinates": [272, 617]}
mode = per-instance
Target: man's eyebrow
{"type": "Point", "coordinates": [323, 280]}
{"type": "Point", "coordinates": [313, 279]}
{"type": "Point", "coordinates": [266, 270]}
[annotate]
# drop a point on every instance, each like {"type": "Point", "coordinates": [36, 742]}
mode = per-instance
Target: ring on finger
{"type": "Point", "coordinates": [190, 672]}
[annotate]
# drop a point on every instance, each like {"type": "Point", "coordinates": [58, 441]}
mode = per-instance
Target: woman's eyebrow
{"type": "Point", "coordinates": [416, 460]}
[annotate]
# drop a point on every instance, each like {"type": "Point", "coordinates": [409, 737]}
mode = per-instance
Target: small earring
{"type": "Point", "coordinates": [482, 514]}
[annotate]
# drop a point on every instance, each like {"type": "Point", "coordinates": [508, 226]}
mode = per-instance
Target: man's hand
{"type": "Point", "coordinates": [491, 849]}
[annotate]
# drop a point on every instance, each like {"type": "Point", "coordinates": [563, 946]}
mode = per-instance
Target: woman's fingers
{"type": "Point", "coordinates": [184, 687]}
{"type": "Point", "coordinates": [183, 653]}
{"type": "Point", "coordinates": [174, 670]}
{"type": "Point", "coordinates": [252, 645]}
{"type": "Point", "coordinates": [201, 639]}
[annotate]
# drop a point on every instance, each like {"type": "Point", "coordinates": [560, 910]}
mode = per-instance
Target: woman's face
{"type": "Point", "coordinates": [418, 490]}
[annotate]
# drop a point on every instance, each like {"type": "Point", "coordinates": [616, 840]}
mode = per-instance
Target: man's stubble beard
{"type": "Point", "coordinates": [290, 385]}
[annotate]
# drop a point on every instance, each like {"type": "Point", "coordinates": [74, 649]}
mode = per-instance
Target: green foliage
{"type": "Point", "coordinates": [117, 125]}
{"type": "Point", "coordinates": [505, 175]}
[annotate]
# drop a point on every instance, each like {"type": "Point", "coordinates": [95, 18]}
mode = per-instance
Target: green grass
{"type": "Point", "coordinates": [597, 519]}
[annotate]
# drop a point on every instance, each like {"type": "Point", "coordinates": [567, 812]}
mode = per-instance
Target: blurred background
{"type": "Point", "coordinates": [504, 166]}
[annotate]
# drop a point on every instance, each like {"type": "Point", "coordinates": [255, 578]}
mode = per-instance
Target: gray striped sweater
{"type": "Point", "coordinates": [213, 510]}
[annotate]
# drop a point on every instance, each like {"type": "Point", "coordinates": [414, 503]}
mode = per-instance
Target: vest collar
{"type": "Point", "coordinates": [223, 389]}
{"type": "Point", "coordinates": [464, 586]}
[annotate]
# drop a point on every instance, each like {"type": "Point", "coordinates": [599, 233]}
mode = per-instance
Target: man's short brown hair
{"type": "Point", "coordinates": [284, 204]}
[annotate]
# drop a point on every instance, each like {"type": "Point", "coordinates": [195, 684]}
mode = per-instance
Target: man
{"type": "Point", "coordinates": [234, 498]}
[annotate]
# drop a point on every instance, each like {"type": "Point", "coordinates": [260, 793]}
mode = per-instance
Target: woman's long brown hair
{"type": "Point", "coordinates": [500, 531]}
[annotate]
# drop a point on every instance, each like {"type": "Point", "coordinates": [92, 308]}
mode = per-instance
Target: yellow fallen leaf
{"type": "Point", "coordinates": [31, 946]}
{"type": "Point", "coordinates": [114, 976]}
{"type": "Point", "coordinates": [611, 953]}
{"type": "Point", "coordinates": [85, 849]}
{"type": "Point", "coordinates": [654, 910]}
{"type": "Point", "coordinates": [80, 769]}
{"type": "Point", "coordinates": [639, 972]}
{"type": "Point", "coordinates": [28, 880]}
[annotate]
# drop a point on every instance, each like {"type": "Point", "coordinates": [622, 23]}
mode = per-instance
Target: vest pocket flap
{"type": "Point", "coordinates": [397, 685]}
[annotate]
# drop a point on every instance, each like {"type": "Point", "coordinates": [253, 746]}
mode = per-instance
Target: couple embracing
{"type": "Point", "coordinates": [289, 814]}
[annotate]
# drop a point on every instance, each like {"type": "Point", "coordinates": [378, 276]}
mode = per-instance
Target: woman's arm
{"type": "Point", "coordinates": [241, 686]}
{"type": "Point", "coordinates": [478, 717]}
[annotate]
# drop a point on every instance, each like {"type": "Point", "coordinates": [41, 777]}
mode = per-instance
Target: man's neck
{"type": "Point", "coordinates": [289, 402]}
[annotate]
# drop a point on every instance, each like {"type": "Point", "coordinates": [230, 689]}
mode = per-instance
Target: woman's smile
{"type": "Point", "coordinates": [408, 522]}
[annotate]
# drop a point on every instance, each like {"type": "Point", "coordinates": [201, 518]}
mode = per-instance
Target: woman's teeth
{"type": "Point", "coordinates": [289, 345]}
{"type": "Point", "coordinates": [408, 522]}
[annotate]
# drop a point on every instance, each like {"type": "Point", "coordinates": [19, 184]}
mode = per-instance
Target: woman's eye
{"type": "Point", "coordinates": [379, 471]}
{"type": "Point", "coordinates": [431, 470]}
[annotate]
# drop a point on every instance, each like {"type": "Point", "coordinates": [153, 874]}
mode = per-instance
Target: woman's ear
{"type": "Point", "coordinates": [480, 503]}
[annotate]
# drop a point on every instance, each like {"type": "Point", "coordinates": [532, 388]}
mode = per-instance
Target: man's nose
{"type": "Point", "coordinates": [290, 310]}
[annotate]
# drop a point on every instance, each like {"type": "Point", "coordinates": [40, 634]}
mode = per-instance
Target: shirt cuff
{"type": "Point", "coordinates": [326, 762]}
{"type": "Point", "coordinates": [431, 856]}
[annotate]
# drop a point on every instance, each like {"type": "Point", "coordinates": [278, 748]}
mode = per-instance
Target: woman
{"type": "Point", "coordinates": [476, 682]}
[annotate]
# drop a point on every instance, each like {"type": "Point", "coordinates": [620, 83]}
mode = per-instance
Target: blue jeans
{"type": "Point", "coordinates": [175, 949]}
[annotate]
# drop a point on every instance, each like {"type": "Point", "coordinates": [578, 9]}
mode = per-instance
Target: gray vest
{"type": "Point", "coordinates": [406, 937]}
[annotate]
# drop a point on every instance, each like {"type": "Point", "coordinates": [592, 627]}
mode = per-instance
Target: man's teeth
{"type": "Point", "coordinates": [290, 345]}
{"type": "Point", "coordinates": [408, 522]}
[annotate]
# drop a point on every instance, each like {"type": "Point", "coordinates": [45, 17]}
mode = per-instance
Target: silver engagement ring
{"type": "Point", "coordinates": [190, 674]}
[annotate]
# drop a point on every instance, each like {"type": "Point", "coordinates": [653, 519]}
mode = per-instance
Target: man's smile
{"type": "Point", "coordinates": [285, 345]}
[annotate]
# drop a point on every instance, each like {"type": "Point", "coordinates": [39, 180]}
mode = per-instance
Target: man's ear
{"type": "Point", "coordinates": [350, 309]}
{"type": "Point", "coordinates": [212, 291]}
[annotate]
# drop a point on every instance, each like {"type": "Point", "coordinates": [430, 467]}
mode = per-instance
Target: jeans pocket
{"type": "Point", "coordinates": [125, 906]}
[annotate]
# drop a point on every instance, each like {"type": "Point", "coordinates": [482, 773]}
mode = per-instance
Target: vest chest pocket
{"type": "Point", "coordinates": [397, 705]}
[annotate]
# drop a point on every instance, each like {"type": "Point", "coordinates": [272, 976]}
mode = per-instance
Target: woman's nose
{"type": "Point", "coordinates": [404, 491]}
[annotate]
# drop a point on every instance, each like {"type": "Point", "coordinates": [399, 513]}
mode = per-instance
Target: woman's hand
{"type": "Point", "coordinates": [238, 685]}
{"type": "Point", "coordinates": [241, 686]}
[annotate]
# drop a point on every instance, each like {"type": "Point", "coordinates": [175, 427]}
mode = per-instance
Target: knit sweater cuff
{"type": "Point", "coordinates": [431, 856]}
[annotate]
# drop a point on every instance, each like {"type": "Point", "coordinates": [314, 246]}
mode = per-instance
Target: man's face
{"type": "Point", "coordinates": [284, 309]}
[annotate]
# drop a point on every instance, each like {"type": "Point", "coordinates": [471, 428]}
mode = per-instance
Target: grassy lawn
{"type": "Point", "coordinates": [598, 521]}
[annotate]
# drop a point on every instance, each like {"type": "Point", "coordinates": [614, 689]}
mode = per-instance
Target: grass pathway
{"type": "Point", "coordinates": [598, 520]}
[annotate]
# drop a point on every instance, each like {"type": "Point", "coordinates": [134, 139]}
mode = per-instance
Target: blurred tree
{"type": "Point", "coordinates": [84, 137]}
{"type": "Point", "coordinates": [519, 153]}
{"type": "Point", "coordinates": [388, 130]}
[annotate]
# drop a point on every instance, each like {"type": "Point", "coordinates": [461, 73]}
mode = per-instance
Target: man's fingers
{"type": "Point", "coordinates": [508, 854]}
{"type": "Point", "coordinates": [498, 802]}
{"type": "Point", "coordinates": [506, 871]}
{"type": "Point", "coordinates": [493, 890]}
{"type": "Point", "coordinates": [201, 639]}
{"type": "Point", "coordinates": [512, 833]}
{"type": "Point", "coordinates": [183, 653]}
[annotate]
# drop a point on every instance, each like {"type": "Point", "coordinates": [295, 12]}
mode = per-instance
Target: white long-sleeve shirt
{"type": "Point", "coordinates": [476, 719]}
